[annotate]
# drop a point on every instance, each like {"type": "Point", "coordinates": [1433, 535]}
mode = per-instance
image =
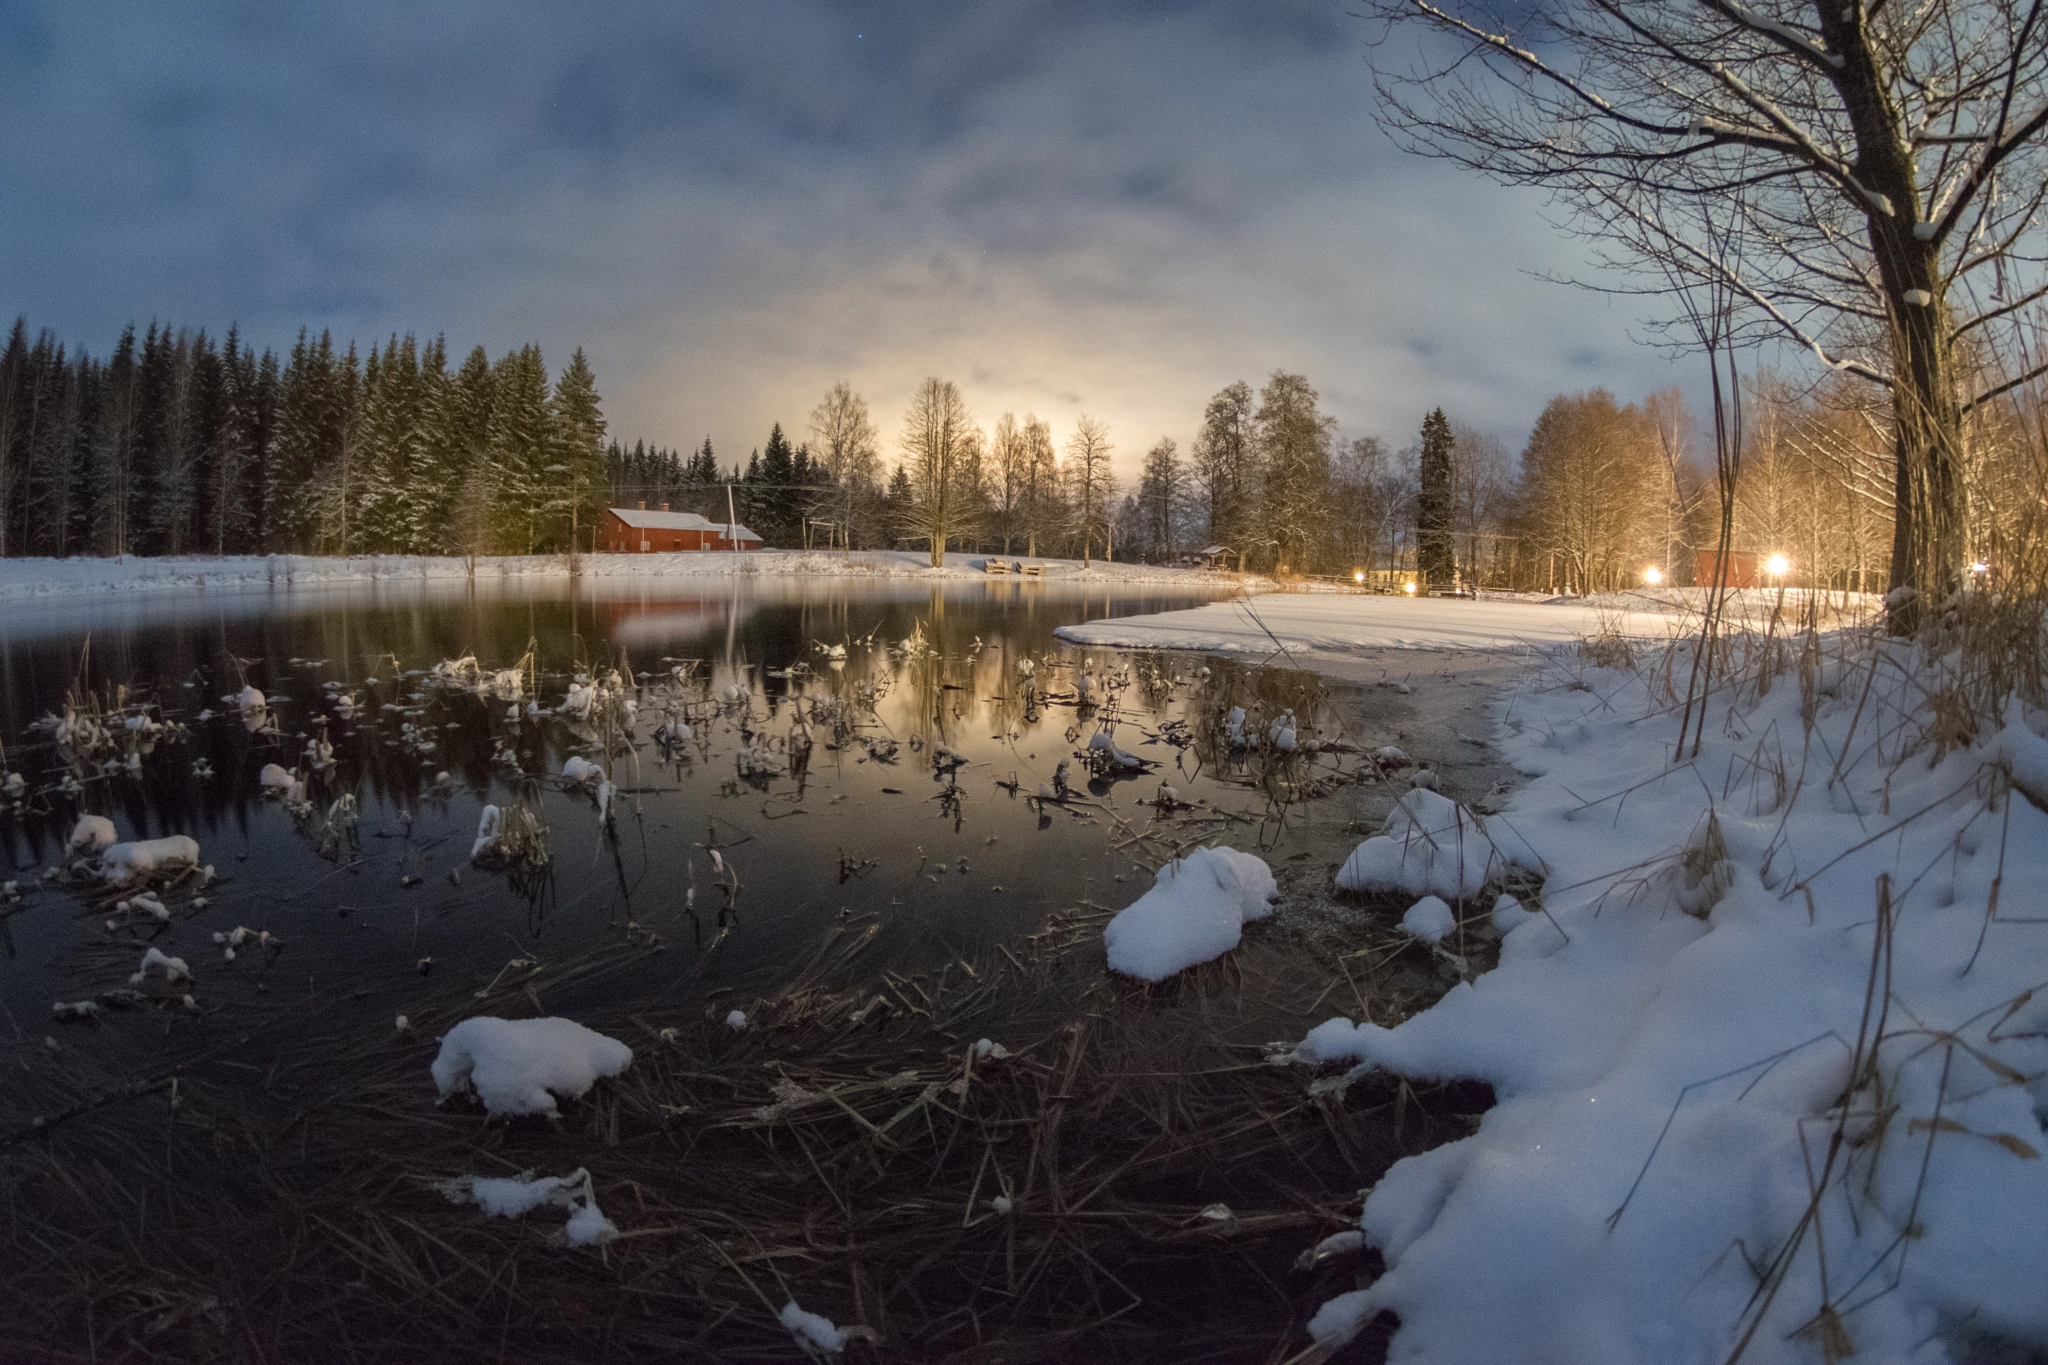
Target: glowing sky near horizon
{"type": "Point", "coordinates": [1109, 207]}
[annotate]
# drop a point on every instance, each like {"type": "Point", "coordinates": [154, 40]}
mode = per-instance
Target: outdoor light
{"type": "Point", "coordinates": [1653, 575]}
{"type": "Point", "coordinates": [1358, 576]}
{"type": "Point", "coordinates": [1980, 568]}
{"type": "Point", "coordinates": [1777, 566]}
{"type": "Point", "coordinates": [1408, 588]}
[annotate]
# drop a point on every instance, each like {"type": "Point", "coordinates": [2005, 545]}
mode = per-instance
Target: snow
{"type": "Point", "coordinates": [1432, 846]}
{"type": "Point", "coordinates": [174, 968]}
{"type": "Point", "coordinates": [1680, 1035]}
{"type": "Point", "coordinates": [275, 778]}
{"type": "Point", "coordinates": [814, 1332]}
{"type": "Point", "coordinates": [520, 1066]}
{"type": "Point", "coordinates": [517, 1196]}
{"type": "Point", "coordinates": [577, 770]}
{"type": "Point", "coordinates": [92, 833]}
{"type": "Point", "coordinates": [1195, 911]}
{"type": "Point", "coordinates": [1313, 625]}
{"type": "Point", "coordinates": [1429, 919]}
{"type": "Point", "coordinates": [148, 857]}
{"type": "Point", "coordinates": [37, 578]}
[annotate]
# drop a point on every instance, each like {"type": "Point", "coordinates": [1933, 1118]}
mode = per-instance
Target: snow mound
{"type": "Point", "coordinates": [520, 1066]}
{"type": "Point", "coordinates": [1196, 911]}
{"type": "Point", "coordinates": [1429, 919]}
{"type": "Point", "coordinates": [148, 857]}
{"type": "Point", "coordinates": [1432, 846]}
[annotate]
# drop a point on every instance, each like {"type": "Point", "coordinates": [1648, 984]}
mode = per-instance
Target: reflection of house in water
{"type": "Point", "coordinates": [635, 530]}
{"type": "Point", "coordinates": [663, 622]}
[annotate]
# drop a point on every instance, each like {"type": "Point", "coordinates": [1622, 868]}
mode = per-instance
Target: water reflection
{"type": "Point", "coordinates": [746, 766]}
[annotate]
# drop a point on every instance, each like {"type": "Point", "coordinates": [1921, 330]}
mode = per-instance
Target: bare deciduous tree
{"type": "Point", "coordinates": [1294, 447]}
{"type": "Point", "coordinates": [844, 443]}
{"type": "Point", "coordinates": [1865, 179]}
{"type": "Point", "coordinates": [941, 454]}
{"type": "Point", "coordinates": [1091, 485]}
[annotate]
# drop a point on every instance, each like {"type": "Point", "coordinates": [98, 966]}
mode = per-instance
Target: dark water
{"type": "Point", "coordinates": [928, 859]}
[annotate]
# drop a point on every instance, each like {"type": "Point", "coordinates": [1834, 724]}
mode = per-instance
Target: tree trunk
{"type": "Point", "coordinates": [1931, 509]}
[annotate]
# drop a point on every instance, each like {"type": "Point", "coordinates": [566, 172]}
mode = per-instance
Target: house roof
{"type": "Point", "coordinates": [739, 532]}
{"type": "Point", "coordinates": [664, 521]}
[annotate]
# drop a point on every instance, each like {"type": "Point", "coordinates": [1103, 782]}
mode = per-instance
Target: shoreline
{"type": "Point", "coordinates": [43, 579]}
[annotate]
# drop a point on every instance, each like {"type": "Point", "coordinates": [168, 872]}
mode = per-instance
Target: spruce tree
{"type": "Point", "coordinates": [1435, 557]}
{"type": "Point", "coordinates": [576, 467]}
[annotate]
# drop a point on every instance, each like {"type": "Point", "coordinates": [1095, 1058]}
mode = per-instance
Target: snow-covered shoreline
{"type": "Point", "coordinates": [49, 578]}
{"type": "Point", "coordinates": [1771, 1063]}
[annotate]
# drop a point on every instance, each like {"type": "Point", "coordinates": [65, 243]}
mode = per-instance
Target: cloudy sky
{"type": "Point", "coordinates": [1113, 206]}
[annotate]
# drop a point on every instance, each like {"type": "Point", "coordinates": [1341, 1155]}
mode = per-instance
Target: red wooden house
{"type": "Point", "coordinates": [637, 531]}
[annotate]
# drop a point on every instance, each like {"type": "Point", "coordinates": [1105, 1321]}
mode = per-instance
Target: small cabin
{"type": "Point", "coordinates": [638, 531]}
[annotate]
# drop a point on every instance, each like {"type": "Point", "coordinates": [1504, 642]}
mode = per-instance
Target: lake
{"type": "Point", "coordinates": [853, 845]}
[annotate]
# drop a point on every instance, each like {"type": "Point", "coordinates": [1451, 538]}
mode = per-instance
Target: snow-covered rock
{"type": "Point", "coordinates": [520, 1066]}
{"type": "Point", "coordinates": [1195, 911]}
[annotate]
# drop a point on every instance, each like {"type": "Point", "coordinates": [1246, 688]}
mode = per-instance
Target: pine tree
{"type": "Point", "coordinates": [1435, 556]}
{"type": "Point", "coordinates": [519, 449]}
{"type": "Point", "coordinates": [576, 469]}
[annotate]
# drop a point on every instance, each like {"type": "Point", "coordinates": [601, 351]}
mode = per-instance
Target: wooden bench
{"type": "Point", "coordinates": [995, 566]}
{"type": "Point", "coordinates": [1031, 570]}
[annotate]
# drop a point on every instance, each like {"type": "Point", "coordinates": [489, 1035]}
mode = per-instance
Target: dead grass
{"type": "Point", "coordinates": [271, 1199]}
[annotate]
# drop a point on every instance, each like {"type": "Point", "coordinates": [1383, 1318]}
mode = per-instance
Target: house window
{"type": "Point", "coordinates": [645, 546]}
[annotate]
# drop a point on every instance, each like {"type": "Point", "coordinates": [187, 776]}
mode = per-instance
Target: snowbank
{"type": "Point", "coordinates": [1195, 911]}
{"type": "Point", "coordinates": [1696, 1036]}
{"type": "Point", "coordinates": [520, 1066]}
{"type": "Point", "coordinates": [30, 578]}
{"type": "Point", "coordinates": [1322, 624]}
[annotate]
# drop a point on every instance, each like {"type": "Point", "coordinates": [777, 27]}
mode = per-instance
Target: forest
{"type": "Point", "coordinates": [178, 443]}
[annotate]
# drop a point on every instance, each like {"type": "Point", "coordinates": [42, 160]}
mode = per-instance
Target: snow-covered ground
{"type": "Point", "coordinates": [1771, 1060]}
{"type": "Point", "coordinates": [1325, 625]}
{"type": "Point", "coordinates": [29, 578]}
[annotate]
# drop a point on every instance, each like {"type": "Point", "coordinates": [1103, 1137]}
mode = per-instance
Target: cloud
{"type": "Point", "coordinates": [1111, 207]}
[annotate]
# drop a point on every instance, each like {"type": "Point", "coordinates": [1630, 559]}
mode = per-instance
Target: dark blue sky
{"type": "Point", "coordinates": [1113, 207]}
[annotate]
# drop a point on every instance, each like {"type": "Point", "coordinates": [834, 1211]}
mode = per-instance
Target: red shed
{"type": "Point", "coordinates": [635, 530]}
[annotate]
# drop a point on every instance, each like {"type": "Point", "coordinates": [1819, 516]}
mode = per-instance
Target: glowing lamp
{"type": "Point", "coordinates": [1777, 566]}
{"type": "Point", "coordinates": [1358, 576]}
{"type": "Point", "coordinates": [1653, 575]}
{"type": "Point", "coordinates": [1980, 567]}
{"type": "Point", "coordinates": [1408, 588]}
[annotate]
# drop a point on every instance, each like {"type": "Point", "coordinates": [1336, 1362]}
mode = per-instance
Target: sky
{"type": "Point", "coordinates": [1113, 207]}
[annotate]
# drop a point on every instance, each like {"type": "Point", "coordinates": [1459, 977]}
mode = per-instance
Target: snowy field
{"type": "Point", "coordinates": [27, 578]}
{"type": "Point", "coordinates": [1316, 626]}
{"type": "Point", "coordinates": [1770, 1039]}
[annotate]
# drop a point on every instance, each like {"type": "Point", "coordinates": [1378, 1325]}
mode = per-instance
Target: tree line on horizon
{"type": "Point", "coordinates": [175, 443]}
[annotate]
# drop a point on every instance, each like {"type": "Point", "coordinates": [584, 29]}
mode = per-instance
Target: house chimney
{"type": "Point", "coordinates": [643, 507]}
{"type": "Point", "coordinates": [664, 507]}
